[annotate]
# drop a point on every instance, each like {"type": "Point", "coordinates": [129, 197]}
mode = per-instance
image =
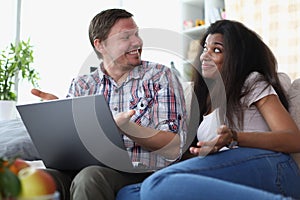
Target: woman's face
{"type": "Point", "coordinates": [212, 56]}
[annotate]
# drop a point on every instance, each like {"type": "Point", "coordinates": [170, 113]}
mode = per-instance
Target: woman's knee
{"type": "Point", "coordinates": [129, 192]}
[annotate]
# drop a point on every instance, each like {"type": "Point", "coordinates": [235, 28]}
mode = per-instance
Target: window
{"type": "Point", "coordinates": [59, 33]}
{"type": "Point", "coordinates": [7, 22]}
{"type": "Point", "coordinates": [278, 23]}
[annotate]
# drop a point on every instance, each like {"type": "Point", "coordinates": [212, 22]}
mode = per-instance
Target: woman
{"type": "Point", "coordinates": [255, 125]}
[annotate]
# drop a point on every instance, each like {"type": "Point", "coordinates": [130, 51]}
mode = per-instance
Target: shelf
{"type": "Point", "coordinates": [193, 10]}
{"type": "Point", "coordinates": [195, 31]}
{"type": "Point", "coordinates": [196, 3]}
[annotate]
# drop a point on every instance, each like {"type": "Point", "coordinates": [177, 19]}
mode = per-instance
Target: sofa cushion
{"type": "Point", "coordinates": [15, 141]}
{"type": "Point", "coordinates": [294, 100]}
{"type": "Point", "coordinates": [285, 81]}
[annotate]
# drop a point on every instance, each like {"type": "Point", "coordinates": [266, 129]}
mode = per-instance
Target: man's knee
{"type": "Point", "coordinates": [92, 174]}
{"type": "Point", "coordinates": [91, 182]}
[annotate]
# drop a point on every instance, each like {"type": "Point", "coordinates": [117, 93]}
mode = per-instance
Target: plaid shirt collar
{"type": "Point", "coordinates": [137, 72]}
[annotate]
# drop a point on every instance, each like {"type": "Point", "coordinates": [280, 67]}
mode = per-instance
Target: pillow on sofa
{"type": "Point", "coordinates": [15, 140]}
{"type": "Point", "coordinates": [294, 100]}
{"type": "Point", "coordinates": [285, 81]}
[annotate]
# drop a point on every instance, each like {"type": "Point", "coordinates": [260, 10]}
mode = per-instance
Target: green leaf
{"type": "Point", "coordinates": [15, 61]}
{"type": "Point", "coordinates": [10, 185]}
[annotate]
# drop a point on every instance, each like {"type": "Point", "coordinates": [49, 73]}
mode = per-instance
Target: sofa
{"type": "Point", "coordinates": [15, 141]}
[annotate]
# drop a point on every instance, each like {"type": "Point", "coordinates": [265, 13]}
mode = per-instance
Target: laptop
{"type": "Point", "coordinates": [72, 133]}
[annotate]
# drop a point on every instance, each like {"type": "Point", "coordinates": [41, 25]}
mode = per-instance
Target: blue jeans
{"type": "Point", "coordinates": [242, 173]}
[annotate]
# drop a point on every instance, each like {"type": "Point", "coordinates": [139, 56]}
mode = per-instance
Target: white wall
{"type": "Point", "coordinates": [7, 22]}
{"type": "Point", "coordinates": [59, 33]}
{"type": "Point", "coordinates": [158, 18]}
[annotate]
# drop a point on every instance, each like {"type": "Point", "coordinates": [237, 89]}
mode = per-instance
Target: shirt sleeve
{"type": "Point", "coordinates": [171, 108]}
{"type": "Point", "coordinates": [72, 90]}
{"type": "Point", "coordinates": [84, 85]}
{"type": "Point", "coordinates": [259, 88]}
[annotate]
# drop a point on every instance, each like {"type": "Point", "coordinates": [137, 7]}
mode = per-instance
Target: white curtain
{"type": "Point", "coordinates": [278, 23]}
{"type": "Point", "coordinates": [7, 23]}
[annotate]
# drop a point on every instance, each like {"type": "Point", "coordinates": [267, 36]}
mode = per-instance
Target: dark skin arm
{"type": "Point", "coordinates": [284, 135]}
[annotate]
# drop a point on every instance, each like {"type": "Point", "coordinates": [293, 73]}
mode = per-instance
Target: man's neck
{"type": "Point", "coordinates": [117, 72]}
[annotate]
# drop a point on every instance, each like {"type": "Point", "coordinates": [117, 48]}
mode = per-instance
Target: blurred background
{"type": "Point", "coordinates": [58, 31]}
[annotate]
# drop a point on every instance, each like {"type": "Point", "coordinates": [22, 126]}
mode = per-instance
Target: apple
{"type": "Point", "coordinates": [17, 165]}
{"type": "Point", "coordinates": [36, 182]}
{"type": "Point", "coordinates": [13, 164]}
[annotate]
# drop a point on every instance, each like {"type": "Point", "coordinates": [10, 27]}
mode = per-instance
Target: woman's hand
{"type": "Point", "coordinates": [223, 139]}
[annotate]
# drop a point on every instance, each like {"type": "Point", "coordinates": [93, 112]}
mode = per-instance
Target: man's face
{"type": "Point", "coordinates": [124, 45]}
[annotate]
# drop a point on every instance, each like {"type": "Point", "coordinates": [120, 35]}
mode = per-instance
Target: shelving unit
{"type": "Point", "coordinates": [207, 10]}
{"type": "Point", "coordinates": [195, 32]}
{"type": "Point", "coordinates": [192, 10]}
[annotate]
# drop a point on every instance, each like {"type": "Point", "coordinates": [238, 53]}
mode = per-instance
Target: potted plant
{"type": "Point", "coordinates": [15, 64]}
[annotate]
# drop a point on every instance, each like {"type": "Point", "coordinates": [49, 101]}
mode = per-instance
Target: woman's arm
{"type": "Point", "coordinates": [283, 137]}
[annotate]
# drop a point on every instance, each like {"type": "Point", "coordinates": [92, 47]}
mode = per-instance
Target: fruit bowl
{"type": "Point", "coordinates": [54, 196]}
{"type": "Point", "coordinates": [20, 181]}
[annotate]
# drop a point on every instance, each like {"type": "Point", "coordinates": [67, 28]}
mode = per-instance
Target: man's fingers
{"type": "Point", "coordinates": [123, 117]}
{"type": "Point", "coordinates": [43, 95]}
{"type": "Point", "coordinates": [36, 92]}
{"type": "Point", "coordinates": [130, 113]}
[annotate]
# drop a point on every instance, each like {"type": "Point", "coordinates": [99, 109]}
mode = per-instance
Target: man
{"type": "Point", "coordinates": [145, 98]}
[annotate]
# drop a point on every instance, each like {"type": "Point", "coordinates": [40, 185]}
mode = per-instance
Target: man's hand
{"type": "Point", "coordinates": [43, 95]}
{"type": "Point", "coordinates": [162, 142]}
{"type": "Point", "coordinates": [122, 119]}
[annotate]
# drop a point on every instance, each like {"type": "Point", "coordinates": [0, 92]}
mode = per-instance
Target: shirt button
{"type": "Point", "coordinates": [116, 90]}
{"type": "Point", "coordinates": [115, 108]}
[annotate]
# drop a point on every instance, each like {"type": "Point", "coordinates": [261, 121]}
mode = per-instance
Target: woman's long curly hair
{"type": "Point", "coordinates": [244, 53]}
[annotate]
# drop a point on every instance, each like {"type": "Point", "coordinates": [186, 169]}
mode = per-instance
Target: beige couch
{"type": "Point", "coordinates": [293, 91]}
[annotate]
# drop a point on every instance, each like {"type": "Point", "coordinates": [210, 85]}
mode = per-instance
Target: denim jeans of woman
{"type": "Point", "coordinates": [241, 173]}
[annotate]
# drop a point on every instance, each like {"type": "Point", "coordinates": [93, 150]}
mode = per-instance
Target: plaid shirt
{"type": "Point", "coordinates": [153, 91]}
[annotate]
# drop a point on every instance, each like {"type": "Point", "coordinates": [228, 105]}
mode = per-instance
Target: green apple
{"type": "Point", "coordinates": [36, 182]}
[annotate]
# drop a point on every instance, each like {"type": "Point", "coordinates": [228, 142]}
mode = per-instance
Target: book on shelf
{"type": "Point", "coordinates": [215, 14]}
